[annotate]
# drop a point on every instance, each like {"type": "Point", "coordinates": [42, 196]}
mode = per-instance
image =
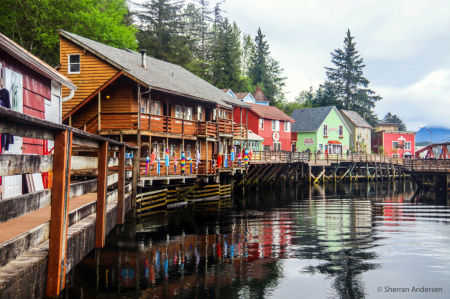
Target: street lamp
{"type": "Point", "coordinates": [430, 132]}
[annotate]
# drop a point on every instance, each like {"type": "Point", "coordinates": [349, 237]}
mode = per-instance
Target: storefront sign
{"type": "Point", "coordinates": [276, 136]}
{"type": "Point", "coordinates": [333, 129]}
{"type": "Point", "coordinates": [308, 142]}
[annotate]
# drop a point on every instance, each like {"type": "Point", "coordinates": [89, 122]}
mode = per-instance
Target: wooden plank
{"type": "Point", "coordinates": [83, 141]}
{"type": "Point", "coordinates": [101, 195]}
{"type": "Point", "coordinates": [121, 187]}
{"type": "Point", "coordinates": [11, 164]}
{"type": "Point", "coordinates": [59, 214]}
{"type": "Point", "coordinates": [83, 162]}
{"type": "Point", "coordinates": [23, 130]}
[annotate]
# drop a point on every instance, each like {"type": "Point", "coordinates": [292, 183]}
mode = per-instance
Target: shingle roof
{"type": "Point", "coordinates": [259, 95]}
{"type": "Point", "coordinates": [158, 74]}
{"type": "Point", "coordinates": [241, 95]}
{"type": "Point", "coordinates": [309, 120]}
{"type": "Point", "coordinates": [270, 112]}
{"type": "Point", "coordinates": [356, 119]}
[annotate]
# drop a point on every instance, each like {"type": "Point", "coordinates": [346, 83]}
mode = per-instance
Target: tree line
{"type": "Point", "coordinates": [196, 35]}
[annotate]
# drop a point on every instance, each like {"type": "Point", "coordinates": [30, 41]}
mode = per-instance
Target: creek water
{"type": "Point", "coordinates": [328, 241]}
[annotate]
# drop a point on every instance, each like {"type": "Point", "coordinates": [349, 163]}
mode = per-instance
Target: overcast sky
{"type": "Point", "coordinates": [405, 46]}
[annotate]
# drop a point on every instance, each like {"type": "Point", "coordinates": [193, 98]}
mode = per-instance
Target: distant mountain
{"type": "Point", "coordinates": [439, 135]}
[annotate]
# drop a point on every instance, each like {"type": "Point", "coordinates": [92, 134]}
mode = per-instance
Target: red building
{"type": "Point", "coordinates": [394, 143]}
{"type": "Point", "coordinates": [270, 123]}
{"type": "Point", "coordinates": [30, 86]}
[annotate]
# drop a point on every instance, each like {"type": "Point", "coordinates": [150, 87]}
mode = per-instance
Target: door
{"type": "Point", "coordinates": [13, 82]}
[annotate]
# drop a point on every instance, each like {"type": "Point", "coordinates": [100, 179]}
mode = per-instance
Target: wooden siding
{"type": "Point", "coordinates": [94, 73]}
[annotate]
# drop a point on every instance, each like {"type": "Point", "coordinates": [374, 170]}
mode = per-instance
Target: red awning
{"type": "Point", "coordinates": [333, 142]}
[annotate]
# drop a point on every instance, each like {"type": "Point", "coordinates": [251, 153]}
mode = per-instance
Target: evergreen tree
{"type": "Point", "coordinates": [393, 118]}
{"type": "Point", "coordinates": [204, 28]}
{"type": "Point", "coordinates": [34, 24]}
{"type": "Point", "coordinates": [347, 77]}
{"type": "Point", "coordinates": [227, 55]}
{"type": "Point", "coordinates": [161, 28]}
{"type": "Point", "coordinates": [247, 47]}
{"type": "Point", "coordinates": [265, 71]}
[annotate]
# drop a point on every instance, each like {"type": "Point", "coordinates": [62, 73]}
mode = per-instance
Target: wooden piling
{"type": "Point", "coordinates": [121, 186]}
{"type": "Point", "coordinates": [101, 195]}
{"type": "Point", "coordinates": [59, 213]}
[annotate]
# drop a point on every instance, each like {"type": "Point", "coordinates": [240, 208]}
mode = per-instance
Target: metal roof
{"type": "Point", "coordinates": [158, 74]}
{"type": "Point", "coordinates": [309, 120]}
{"type": "Point", "coordinates": [356, 119]}
{"type": "Point", "coordinates": [33, 62]}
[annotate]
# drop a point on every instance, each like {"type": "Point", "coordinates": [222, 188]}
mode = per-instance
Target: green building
{"type": "Point", "coordinates": [321, 129]}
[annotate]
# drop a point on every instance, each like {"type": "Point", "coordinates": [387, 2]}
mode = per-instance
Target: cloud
{"type": "Point", "coordinates": [425, 102]}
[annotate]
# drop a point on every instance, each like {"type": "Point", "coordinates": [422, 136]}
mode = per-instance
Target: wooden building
{"type": "Point", "coordinates": [33, 88]}
{"type": "Point", "coordinates": [131, 97]}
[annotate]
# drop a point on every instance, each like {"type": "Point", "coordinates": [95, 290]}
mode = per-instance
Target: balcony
{"type": "Point", "coordinates": [207, 129]}
{"type": "Point", "coordinates": [225, 126]}
{"type": "Point", "coordinates": [239, 131]}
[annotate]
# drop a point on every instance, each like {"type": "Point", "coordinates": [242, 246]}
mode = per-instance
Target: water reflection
{"type": "Point", "coordinates": [321, 241]}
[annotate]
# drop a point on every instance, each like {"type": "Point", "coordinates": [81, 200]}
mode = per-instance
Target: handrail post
{"type": "Point", "coordinates": [59, 214]}
{"type": "Point", "coordinates": [101, 195]}
{"type": "Point", "coordinates": [121, 187]}
{"type": "Point", "coordinates": [136, 169]}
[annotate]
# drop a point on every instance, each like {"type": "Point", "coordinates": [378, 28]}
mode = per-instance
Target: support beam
{"type": "Point", "coordinates": [101, 195]}
{"type": "Point", "coordinates": [59, 214]}
{"type": "Point", "coordinates": [135, 179]}
{"type": "Point", "coordinates": [319, 176]}
{"type": "Point", "coordinates": [121, 187]}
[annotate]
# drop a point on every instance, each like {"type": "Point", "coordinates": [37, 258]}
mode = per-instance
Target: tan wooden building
{"type": "Point", "coordinates": [128, 96]}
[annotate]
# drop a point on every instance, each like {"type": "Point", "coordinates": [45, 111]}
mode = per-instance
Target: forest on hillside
{"type": "Point", "coordinates": [195, 34]}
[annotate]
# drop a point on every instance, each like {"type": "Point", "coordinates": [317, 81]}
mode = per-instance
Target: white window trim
{"type": "Point", "coordinates": [199, 113]}
{"type": "Point", "coordinates": [186, 115]}
{"type": "Point", "coordinates": [68, 64]}
{"type": "Point", "coordinates": [325, 130]}
{"type": "Point", "coordinates": [180, 116]}
{"type": "Point", "coordinates": [288, 124]}
{"type": "Point", "coordinates": [276, 143]}
{"type": "Point", "coordinates": [409, 143]}
{"type": "Point", "coordinates": [277, 125]}
{"type": "Point", "coordinates": [261, 121]}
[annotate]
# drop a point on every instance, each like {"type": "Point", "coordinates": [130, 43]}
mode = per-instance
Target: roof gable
{"type": "Point", "coordinates": [356, 119]}
{"type": "Point", "coordinates": [270, 112]}
{"type": "Point", "coordinates": [159, 75]}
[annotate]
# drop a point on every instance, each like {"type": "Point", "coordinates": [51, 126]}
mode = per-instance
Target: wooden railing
{"type": "Point", "coordinates": [67, 160]}
{"type": "Point", "coordinates": [225, 126]}
{"type": "Point", "coordinates": [239, 130]}
{"type": "Point", "coordinates": [118, 121]}
{"type": "Point", "coordinates": [427, 165]}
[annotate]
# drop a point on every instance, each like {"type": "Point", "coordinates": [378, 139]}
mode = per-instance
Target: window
{"type": "Point", "coordinates": [214, 114]}
{"type": "Point", "coordinates": [178, 111]}
{"type": "Point", "coordinates": [155, 107]}
{"type": "Point", "coordinates": [188, 113]}
{"type": "Point", "coordinates": [275, 125]}
{"type": "Point", "coordinates": [172, 150]}
{"type": "Point", "coordinates": [325, 130]}
{"type": "Point", "coordinates": [395, 144]}
{"type": "Point", "coordinates": [407, 145]}
{"type": "Point", "coordinates": [145, 105]}
{"type": "Point", "coordinates": [74, 64]}
{"type": "Point", "coordinates": [287, 126]}
{"type": "Point", "coordinates": [261, 123]}
{"type": "Point", "coordinates": [199, 113]}
{"type": "Point", "coordinates": [341, 131]}
{"type": "Point", "coordinates": [188, 151]}
{"type": "Point", "coordinates": [277, 146]}
{"type": "Point", "coordinates": [320, 147]}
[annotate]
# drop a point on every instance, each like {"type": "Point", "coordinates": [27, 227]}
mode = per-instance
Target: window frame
{"type": "Point", "coordinates": [325, 130]}
{"type": "Point", "coordinates": [394, 142]}
{"type": "Point", "coordinates": [409, 145]}
{"type": "Point", "coordinates": [188, 116]}
{"type": "Point", "coordinates": [199, 113]}
{"type": "Point", "coordinates": [278, 143]}
{"type": "Point", "coordinates": [69, 63]}
{"type": "Point", "coordinates": [261, 123]}
{"type": "Point", "coordinates": [341, 131]}
{"type": "Point", "coordinates": [145, 103]}
{"type": "Point", "coordinates": [288, 125]}
{"type": "Point", "coordinates": [277, 125]}
{"type": "Point", "coordinates": [179, 112]}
